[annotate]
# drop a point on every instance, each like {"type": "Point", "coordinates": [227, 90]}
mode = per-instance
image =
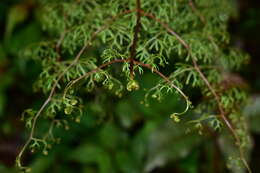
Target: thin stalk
{"type": "Point", "coordinates": [203, 77]}
{"type": "Point", "coordinates": [49, 98]}
{"type": "Point", "coordinates": [137, 29]}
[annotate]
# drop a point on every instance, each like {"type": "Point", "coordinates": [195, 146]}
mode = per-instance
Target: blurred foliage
{"type": "Point", "coordinates": [129, 138]}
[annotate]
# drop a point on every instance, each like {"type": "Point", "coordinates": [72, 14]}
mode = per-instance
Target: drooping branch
{"type": "Point", "coordinates": [73, 82]}
{"type": "Point", "coordinates": [167, 80]}
{"type": "Point", "coordinates": [196, 67]}
{"type": "Point", "coordinates": [53, 89]}
{"type": "Point", "coordinates": [132, 61]}
{"type": "Point", "coordinates": [129, 60]}
{"type": "Point", "coordinates": [162, 76]}
{"type": "Point", "coordinates": [205, 80]}
{"type": "Point", "coordinates": [210, 38]}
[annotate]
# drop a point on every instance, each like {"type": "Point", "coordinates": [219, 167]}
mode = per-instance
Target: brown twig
{"type": "Point", "coordinates": [132, 61]}
{"type": "Point", "coordinates": [202, 18]}
{"type": "Point", "coordinates": [203, 77]}
{"type": "Point", "coordinates": [94, 71]}
{"type": "Point", "coordinates": [129, 60]}
{"type": "Point", "coordinates": [196, 67]}
{"type": "Point", "coordinates": [135, 40]}
{"type": "Point", "coordinates": [31, 136]}
{"type": "Point", "coordinates": [162, 76]}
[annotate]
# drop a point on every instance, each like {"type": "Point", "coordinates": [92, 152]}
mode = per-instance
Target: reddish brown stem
{"type": "Point", "coordinates": [75, 61]}
{"type": "Point", "coordinates": [203, 77]}
{"type": "Point", "coordinates": [162, 76]}
{"type": "Point", "coordinates": [135, 40]}
{"type": "Point", "coordinates": [94, 71]}
{"type": "Point", "coordinates": [196, 67]}
{"type": "Point", "coordinates": [202, 18]}
{"type": "Point", "coordinates": [129, 60]}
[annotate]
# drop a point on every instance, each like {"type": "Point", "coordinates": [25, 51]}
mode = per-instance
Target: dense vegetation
{"type": "Point", "coordinates": [148, 81]}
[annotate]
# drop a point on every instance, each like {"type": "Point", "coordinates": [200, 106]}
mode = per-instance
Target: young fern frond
{"type": "Point", "coordinates": [138, 36]}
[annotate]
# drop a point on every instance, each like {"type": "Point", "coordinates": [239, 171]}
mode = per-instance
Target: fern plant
{"type": "Point", "coordinates": [109, 44]}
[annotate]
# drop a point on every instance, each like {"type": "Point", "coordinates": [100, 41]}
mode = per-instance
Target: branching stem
{"type": "Point", "coordinates": [202, 19]}
{"type": "Point", "coordinates": [203, 77]}
{"type": "Point", "coordinates": [129, 60]}
{"type": "Point", "coordinates": [132, 61]}
{"type": "Point", "coordinates": [74, 62]}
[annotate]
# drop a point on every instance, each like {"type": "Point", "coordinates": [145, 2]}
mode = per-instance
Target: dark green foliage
{"type": "Point", "coordinates": [86, 63]}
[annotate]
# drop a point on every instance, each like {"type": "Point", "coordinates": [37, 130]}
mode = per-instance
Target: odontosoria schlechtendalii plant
{"type": "Point", "coordinates": [108, 43]}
